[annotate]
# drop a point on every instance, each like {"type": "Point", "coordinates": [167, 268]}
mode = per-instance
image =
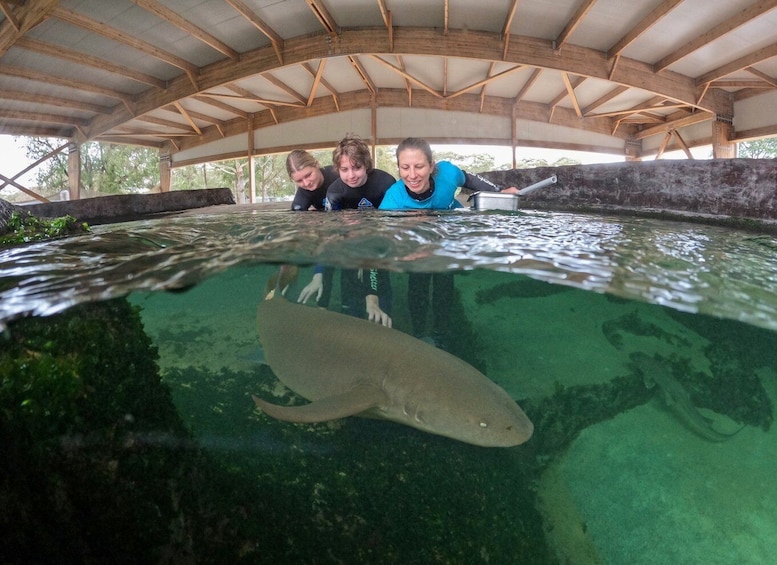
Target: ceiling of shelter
{"type": "Point", "coordinates": [193, 77]}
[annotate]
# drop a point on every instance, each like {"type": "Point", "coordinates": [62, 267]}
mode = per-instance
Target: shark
{"type": "Point", "coordinates": [676, 398]}
{"type": "Point", "coordinates": [346, 366]}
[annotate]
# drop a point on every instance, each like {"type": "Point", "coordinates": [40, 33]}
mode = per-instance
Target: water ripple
{"type": "Point", "coordinates": [685, 266]}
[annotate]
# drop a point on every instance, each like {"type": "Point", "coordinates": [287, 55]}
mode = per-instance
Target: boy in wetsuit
{"type": "Point", "coordinates": [365, 293]}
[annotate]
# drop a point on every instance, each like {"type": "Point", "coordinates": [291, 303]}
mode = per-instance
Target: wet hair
{"type": "Point", "coordinates": [419, 144]}
{"type": "Point", "coordinates": [298, 160]}
{"type": "Point", "coordinates": [357, 151]}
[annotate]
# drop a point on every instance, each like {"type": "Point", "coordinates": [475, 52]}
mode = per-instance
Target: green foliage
{"type": "Point", "coordinates": [758, 149]}
{"type": "Point", "coordinates": [105, 167]}
{"type": "Point", "coordinates": [25, 228]}
{"type": "Point", "coordinates": [475, 163]}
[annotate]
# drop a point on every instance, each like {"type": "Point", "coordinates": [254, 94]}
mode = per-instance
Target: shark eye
{"type": "Point", "coordinates": [483, 425]}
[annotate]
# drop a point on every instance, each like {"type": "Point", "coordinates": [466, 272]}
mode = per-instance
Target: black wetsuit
{"type": "Point", "coordinates": [355, 285]}
{"type": "Point", "coordinates": [340, 196]}
{"type": "Point", "coordinates": [304, 199]}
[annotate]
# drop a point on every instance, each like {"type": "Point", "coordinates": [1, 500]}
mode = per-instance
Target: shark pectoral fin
{"type": "Point", "coordinates": [356, 400]}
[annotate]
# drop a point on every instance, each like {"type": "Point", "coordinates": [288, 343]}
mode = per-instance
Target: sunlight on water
{"type": "Point", "coordinates": [690, 267]}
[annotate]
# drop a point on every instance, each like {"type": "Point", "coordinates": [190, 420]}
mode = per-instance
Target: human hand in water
{"type": "Point", "coordinates": [374, 313]}
{"type": "Point", "coordinates": [315, 286]}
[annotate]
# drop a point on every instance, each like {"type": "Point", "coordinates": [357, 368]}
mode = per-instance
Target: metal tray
{"type": "Point", "coordinates": [495, 201]}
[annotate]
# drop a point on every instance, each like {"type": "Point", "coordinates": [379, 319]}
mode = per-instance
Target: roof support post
{"type": "Point", "coordinates": [74, 170]}
{"type": "Point", "coordinates": [722, 134]}
{"type": "Point", "coordinates": [633, 150]}
{"type": "Point", "coordinates": [251, 161]}
{"type": "Point", "coordinates": [165, 168]}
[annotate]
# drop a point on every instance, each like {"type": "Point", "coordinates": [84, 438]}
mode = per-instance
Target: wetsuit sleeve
{"type": "Point", "coordinates": [301, 201]}
{"type": "Point", "coordinates": [478, 183]}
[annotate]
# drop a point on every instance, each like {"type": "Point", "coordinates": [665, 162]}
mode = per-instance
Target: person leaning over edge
{"type": "Point", "coordinates": [360, 186]}
{"type": "Point", "coordinates": [312, 180]}
{"type": "Point", "coordinates": [425, 184]}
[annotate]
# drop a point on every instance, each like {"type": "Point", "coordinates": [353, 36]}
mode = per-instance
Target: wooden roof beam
{"type": "Point", "coordinates": [408, 76]}
{"type": "Point", "coordinates": [316, 81]}
{"type": "Point", "coordinates": [387, 21]}
{"type": "Point", "coordinates": [119, 36]}
{"type": "Point", "coordinates": [763, 76]}
{"type": "Point", "coordinates": [221, 105]}
{"type": "Point", "coordinates": [27, 17]}
{"type": "Point", "coordinates": [171, 17]}
{"type": "Point", "coordinates": [261, 25]}
{"type": "Point", "coordinates": [325, 84]}
{"type": "Point", "coordinates": [645, 24]}
{"type": "Point", "coordinates": [80, 58]}
{"type": "Point", "coordinates": [529, 83]}
{"type": "Point", "coordinates": [737, 65]}
{"type": "Point", "coordinates": [506, 28]}
{"type": "Point", "coordinates": [323, 16]}
{"type": "Point", "coordinates": [485, 81]}
{"type": "Point", "coordinates": [728, 25]}
{"type": "Point", "coordinates": [272, 79]}
{"type": "Point", "coordinates": [362, 72]}
{"type": "Point", "coordinates": [18, 95]}
{"type": "Point", "coordinates": [582, 11]}
{"type": "Point", "coordinates": [602, 100]}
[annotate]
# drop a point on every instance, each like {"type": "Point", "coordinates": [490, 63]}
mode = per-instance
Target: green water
{"type": "Point", "coordinates": [551, 308]}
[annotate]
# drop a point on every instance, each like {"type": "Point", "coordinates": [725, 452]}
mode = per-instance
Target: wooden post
{"type": "Point", "coordinates": [514, 134]}
{"type": "Point", "coordinates": [164, 171]}
{"type": "Point", "coordinates": [251, 162]}
{"type": "Point", "coordinates": [633, 149]}
{"type": "Point", "coordinates": [722, 134]}
{"type": "Point", "coordinates": [74, 170]}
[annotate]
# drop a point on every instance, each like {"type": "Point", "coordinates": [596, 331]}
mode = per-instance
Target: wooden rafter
{"type": "Point", "coordinates": [250, 98]}
{"type": "Point", "coordinates": [43, 117]}
{"type": "Point", "coordinates": [387, 21]}
{"type": "Point", "coordinates": [506, 29]}
{"type": "Point", "coordinates": [763, 76]}
{"type": "Point", "coordinates": [167, 123]}
{"type": "Point", "coordinates": [20, 96]}
{"type": "Point", "coordinates": [569, 91]}
{"type": "Point", "coordinates": [119, 36]}
{"type": "Point", "coordinates": [27, 16]}
{"type": "Point", "coordinates": [323, 15]}
{"type": "Point", "coordinates": [362, 72]}
{"type": "Point", "coordinates": [316, 81]}
{"type": "Point", "coordinates": [171, 17]}
{"type": "Point", "coordinates": [529, 83]}
{"type": "Point", "coordinates": [325, 84]}
{"type": "Point", "coordinates": [261, 25]}
{"type": "Point", "coordinates": [645, 24]}
{"type": "Point", "coordinates": [688, 120]}
{"type": "Point", "coordinates": [489, 74]}
{"type": "Point", "coordinates": [485, 81]}
{"type": "Point", "coordinates": [80, 58]}
{"type": "Point", "coordinates": [408, 76]}
{"type": "Point", "coordinates": [221, 105]}
{"type": "Point", "coordinates": [48, 78]}
{"type": "Point", "coordinates": [275, 81]}
{"type": "Point", "coordinates": [602, 100]}
{"type": "Point", "coordinates": [196, 115]}
{"type": "Point", "coordinates": [728, 25]}
{"type": "Point", "coordinates": [408, 84]}
{"type": "Point", "coordinates": [737, 65]}
{"type": "Point", "coordinates": [5, 8]}
{"type": "Point", "coordinates": [581, 12]}
{"type": "Point", "coordinates": [31, 166]}
{"type": "Point", "coordinates": [187, 117]}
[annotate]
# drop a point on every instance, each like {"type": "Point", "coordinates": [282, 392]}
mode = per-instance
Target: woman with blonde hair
{"type": "Point", "coordinates": [311, 178]}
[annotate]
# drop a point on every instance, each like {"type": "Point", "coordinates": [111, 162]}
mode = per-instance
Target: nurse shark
{"type": "Point", "coordinates": [347, 366]}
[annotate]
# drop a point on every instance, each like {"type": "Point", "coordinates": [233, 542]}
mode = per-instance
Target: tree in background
{"type": "Point", "coordinates": [105, 167]}
{"type": "Point", "coordinates": [758, 149]}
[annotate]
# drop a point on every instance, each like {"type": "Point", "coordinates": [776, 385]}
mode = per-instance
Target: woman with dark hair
{"type": "Point", "coordinates": [425, 184]}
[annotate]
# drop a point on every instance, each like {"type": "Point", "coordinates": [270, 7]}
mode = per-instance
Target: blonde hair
{"type": "Point", "coordinates": [299, 159]}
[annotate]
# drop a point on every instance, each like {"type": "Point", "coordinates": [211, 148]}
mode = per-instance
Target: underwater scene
{"type": "Point", "coordinates": [563, 388]}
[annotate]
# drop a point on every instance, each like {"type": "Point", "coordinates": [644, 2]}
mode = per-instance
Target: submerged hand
{"type": "Point", "coordinates": [315, 286]}
{"type": "Point", "coordinates": [375, 314]}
